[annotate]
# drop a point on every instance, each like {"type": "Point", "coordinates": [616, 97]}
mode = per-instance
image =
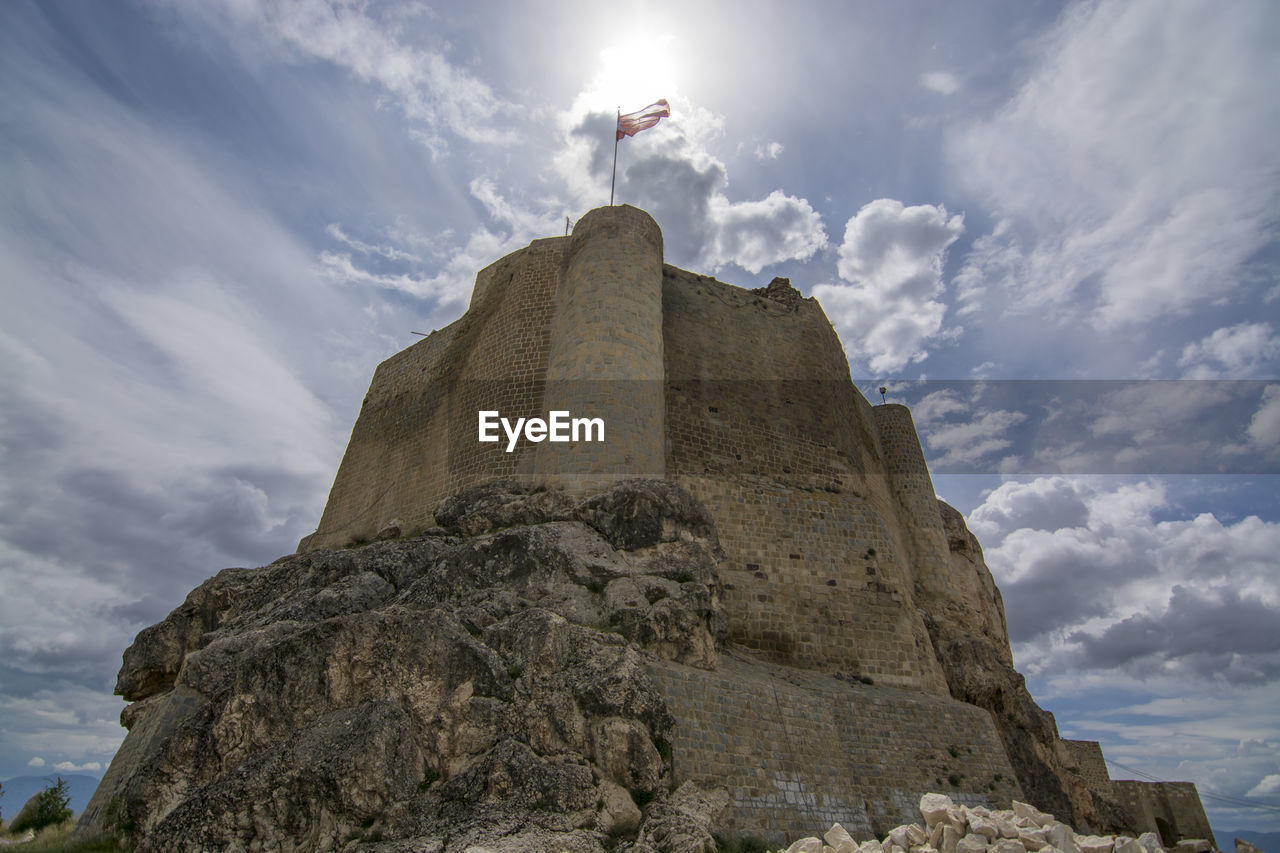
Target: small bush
{"type": "Point", "coordinates": [954, 779]}
{"type": "Point", "coordinates": [429, 778]}
{"type": "Point", "coordinates": [49, 807]}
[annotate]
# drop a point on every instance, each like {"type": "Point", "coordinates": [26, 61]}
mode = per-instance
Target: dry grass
{"type": "Point", "coordinates": [53, 839]}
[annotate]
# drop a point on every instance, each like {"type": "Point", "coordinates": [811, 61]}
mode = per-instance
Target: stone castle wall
{"type": "Point", "coordinates": [1086, 756]}
{"type": "Point", "coordinates": [801, 750]}
{"type": "Point", "coordinates": [838, 558]}
{"type": "Point", "coordinates": [824, 505]}
{"type": "Point", "coordinates": [1172, 809]}
{"type": "Point", "coordinates": [414, 441]}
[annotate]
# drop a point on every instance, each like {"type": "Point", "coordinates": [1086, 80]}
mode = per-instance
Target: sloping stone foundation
{"type": "Point", "coordinates": [798, 749]}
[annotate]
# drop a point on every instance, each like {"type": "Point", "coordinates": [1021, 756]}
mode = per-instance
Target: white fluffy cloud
{"type": "Point", "coordinates": [1233, 352]}
{"type": "Point", "coordinates": [1108, 586]}
{"type": "Point", "coordinates": [892, 257]}
{"type": "Point", "coordinates": [1134, 173]}
{"type": "Point", "coordinates": [670, 172]}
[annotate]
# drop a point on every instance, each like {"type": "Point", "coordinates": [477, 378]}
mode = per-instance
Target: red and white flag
{"type": "Point", "coordinates": [632, 123]}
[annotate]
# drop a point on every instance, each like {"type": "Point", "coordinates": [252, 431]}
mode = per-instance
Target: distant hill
{"type": "Point", "coordinates": [1267, 842]}
{"type": "Point", "coordinates": [19, 789]}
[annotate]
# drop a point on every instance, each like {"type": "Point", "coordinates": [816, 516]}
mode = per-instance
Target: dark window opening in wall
{"type": "Point", "coordinates": [1167, 837]}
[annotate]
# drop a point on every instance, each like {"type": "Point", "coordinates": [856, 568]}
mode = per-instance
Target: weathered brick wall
{"type": "Point", "coordinates": [765, 426]}
{"type": "Point", "coordinates": [801, 750]}
{"type": "Point", "coordinates": [1086, 757]}
{"type": "Point", "coordinates": [415, 439]}
{"type": "Point", "coordinates": [813, 579]}
{"type": "Point", "coordinates": [1172, 809]}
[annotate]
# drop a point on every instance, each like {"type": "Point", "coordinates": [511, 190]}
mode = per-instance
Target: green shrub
{"type": "Point", "coordinates": [46, 808]}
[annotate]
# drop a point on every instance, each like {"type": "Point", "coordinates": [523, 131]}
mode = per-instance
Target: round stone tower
{"type": "Point", "coordinates": [606, 353]}
{"type": "Point", "coordinates": [910, 483]}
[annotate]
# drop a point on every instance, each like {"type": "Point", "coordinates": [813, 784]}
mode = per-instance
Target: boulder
{"type": "Point", "coordinates": [935, 808]}
{"type": "Point", "coordinates": [806, 845]}
{"type": "Point", "coordinates": [840, 839]}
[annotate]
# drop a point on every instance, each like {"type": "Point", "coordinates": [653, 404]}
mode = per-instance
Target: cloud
{"type": "Point", "coordinates": [892, 256]}
{"type": "Point", "coordinates": [771, 151]}
{"type": "Point", "coordinates": [389, 252]}
{"type": "Point", "coordinates": [71, 767]}
{"type": "Point", "coordinates": [1264, 427]}
{"type": "Point", "coordinates": [670, 172]}
{"type": "Point", "coordinates": [942, 82]}
{"type": "Point", "coordinates": [431, 91]}
{"type": "Point", "coordinates": [756, 234]}
{"type": "Point", "coordinates": [1233, 352]}
{"type": "Point", "coordinates": [1125, 195]}
{"type": "Point", "coordinates": [37, 761]}
{"type": "Point", "coordinates": [1268, 787]}
{"type": "Point", "coordinates": [1110, 587]}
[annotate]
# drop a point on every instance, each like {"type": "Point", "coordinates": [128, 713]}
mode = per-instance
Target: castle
{"type": "Point", "coordinates": [872, 659]}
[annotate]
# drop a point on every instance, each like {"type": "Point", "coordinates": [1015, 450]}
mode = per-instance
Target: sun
{"type": "Point", "coordinates": [633, 74]}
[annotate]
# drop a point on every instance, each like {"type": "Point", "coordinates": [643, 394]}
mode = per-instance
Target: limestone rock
{"type": "Point", "coordinates": [935, 808]}
{"type": "Point", "coordinates": [1031, 815]}
{"type": "Point", "coordinates": [806, 845]}
{"type": "Point", "coordinates": [1151, 842]}
{"type": "Point", "coordinates": [1061, 837]}
{"type": "Point", "coordinates": [1034, 839]}
{"type": "Point", "coordinates": [972, 843]}
{"type": "Point", "coordinates": [984, 826]}
{"type": "Point", "coordinates": [1243, 846]}
{"type": "Point", "coordinates": [471, 688]}
{"type": "Point", "coordinates": [1096, 843]}
{"type": "Point", "coordinates": [1193, 845]}
{"type": "Point", "coordinates": [682, 822]}
{"type": "Point", "coordinates": [840, 839]}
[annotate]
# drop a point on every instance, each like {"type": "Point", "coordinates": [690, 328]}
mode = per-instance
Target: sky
{"type": "Point", "coordinates": [1051, 228]}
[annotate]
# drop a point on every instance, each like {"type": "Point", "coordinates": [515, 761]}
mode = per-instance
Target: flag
{"type": "Point", "coordinates": [632, 123]}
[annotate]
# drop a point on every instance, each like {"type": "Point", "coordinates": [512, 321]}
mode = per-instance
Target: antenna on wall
{"type": "Point", "coordinates": [883, 388]}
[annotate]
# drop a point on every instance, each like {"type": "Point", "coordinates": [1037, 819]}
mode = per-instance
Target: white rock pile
{"type": "Point", "coordinates": [949, 828]}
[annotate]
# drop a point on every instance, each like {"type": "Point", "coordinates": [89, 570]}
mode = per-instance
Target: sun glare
{"type": "Point", "coordinates": [634, 74]}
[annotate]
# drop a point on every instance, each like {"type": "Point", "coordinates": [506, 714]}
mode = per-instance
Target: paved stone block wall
{"type": "Point", "coordinates": [766, 427]}
{"type": "Point", "coordinates": [415, 439]}
{"type": "Point", "coordinates": [801, 751]}
{"type": "Point", "coordinates": [814, 579]}
{"type": "Point", "coordinates": [1086, 755]}
{"type": "Point", "coordinates": [1172, 809]}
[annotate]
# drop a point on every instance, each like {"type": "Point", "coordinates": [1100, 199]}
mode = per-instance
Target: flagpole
{"type": "Point", "coordinates": [614, 179]}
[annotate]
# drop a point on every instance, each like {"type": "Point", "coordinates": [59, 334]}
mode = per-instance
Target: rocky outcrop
{"type": "Point", "coordinates": [482, 685]}
{"type": "Point", "coordinates": [970, 640]}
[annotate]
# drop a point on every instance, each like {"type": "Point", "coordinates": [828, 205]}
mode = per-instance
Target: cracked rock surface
{"type": "Point", "coordinates": [482, 685]}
